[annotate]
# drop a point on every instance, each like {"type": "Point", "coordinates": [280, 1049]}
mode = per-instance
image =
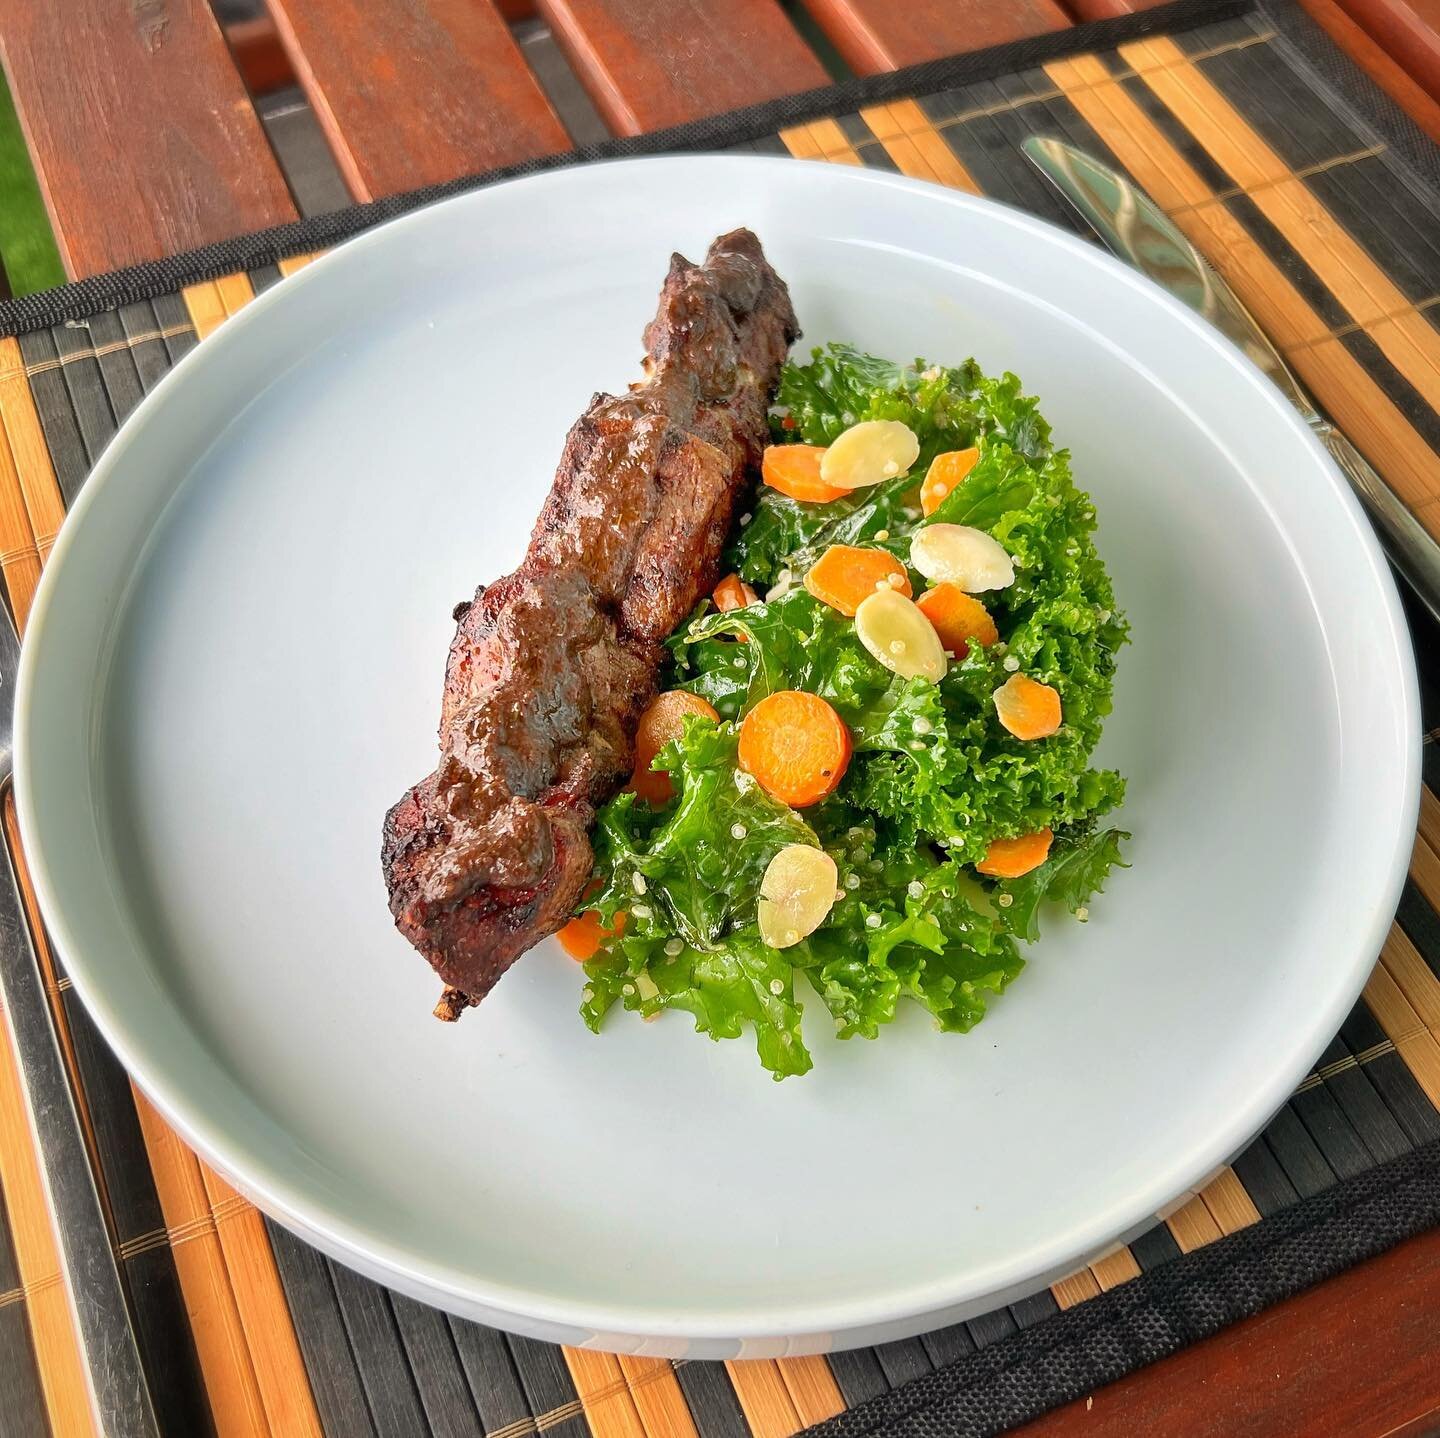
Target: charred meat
{"type": "Point", "coordinates": [551, 666]}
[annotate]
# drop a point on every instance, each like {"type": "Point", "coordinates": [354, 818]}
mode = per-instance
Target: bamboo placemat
{"type": "Point", "coordinates": [1320, 204]}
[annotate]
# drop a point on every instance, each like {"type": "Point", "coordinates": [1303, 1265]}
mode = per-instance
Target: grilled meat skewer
{"type": "Point", "coordinates": [552, 665]}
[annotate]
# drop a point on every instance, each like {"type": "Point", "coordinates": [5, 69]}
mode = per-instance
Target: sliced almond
{"type": "Point", "coordinates": [796, 894]}
{"type": "Point", "coordinates": [957, 554]}
{"type": "Point", "coordinates": [868, 453]}
{"type": "Point", "coordinates": [894, 630]}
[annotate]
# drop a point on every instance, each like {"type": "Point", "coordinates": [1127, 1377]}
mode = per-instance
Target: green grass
{"type": "Point", "coordinates": [26, 245]}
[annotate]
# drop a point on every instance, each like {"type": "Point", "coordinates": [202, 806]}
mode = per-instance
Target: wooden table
{"type": "Point", "coordinates": [147, 143]}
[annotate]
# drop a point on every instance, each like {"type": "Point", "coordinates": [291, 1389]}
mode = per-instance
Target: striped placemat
{"type": "Point", "coordinates": [1320, 204]}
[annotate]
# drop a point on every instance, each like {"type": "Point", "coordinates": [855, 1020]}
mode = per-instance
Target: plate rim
{"type": "Point", "coordinates": [838, 1321]}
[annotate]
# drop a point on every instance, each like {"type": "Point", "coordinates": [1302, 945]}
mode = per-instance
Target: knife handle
{"type": "Point", "coordinates": [119, 1395]}
{"type": "Point", "coordinates": [1411, 549]}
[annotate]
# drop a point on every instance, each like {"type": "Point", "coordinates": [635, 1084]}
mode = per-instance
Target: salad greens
{"type": "Point", "coordinates": [934, 777]}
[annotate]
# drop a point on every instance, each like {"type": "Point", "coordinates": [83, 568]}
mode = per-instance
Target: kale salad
{"type": "Point", "coordinates": [868, 768]}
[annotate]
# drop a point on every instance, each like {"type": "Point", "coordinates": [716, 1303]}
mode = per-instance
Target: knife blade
{"type": "Point", "coordinates": [1139, 232]}
{"type": "Point", "coordinates": [119, 1392]}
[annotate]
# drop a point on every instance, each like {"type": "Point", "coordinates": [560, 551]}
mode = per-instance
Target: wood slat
{"type": "Point", "coordinates": [1425, 870]}
{"type": "Point", "coordinates": [652, 63]}
{"type": "Point", "coordinates": [1193, 1226]}
{"type": "Point", "coordinates": [416, 93]}
{"type": "Point", "coordinates": [143, 138]}
{"type": "Point", "coordinates": [451, 1410]}
{"type": "Point", "coordinates": [21, 1401]}
{"type": "Point", "coordinates": [1229, 1205]}
{"type": "Point", "coordinates": [609, 1408]}
{"type": "Point", "coordinates": [905, 1358]}
{"type": "Point", "coordinates": [812, 1388]}
{"type": "Point", "coordinates": [373, 1336]}
{"type": "Point", "coordinates": [485, 1358]}
{"type": "Point", "coordinates": [298, 262]}
{"type": "Point", "coordinates": [1114, 1269]}
{"type": "Point", "coordinates": [873, 36]}
{"type": "Point", "coordinates": [549, 1387]}
{"type": "Point", "coordinates": [215, 1318]}
{"type": "Point", "coordinates": [820, 140]}
{"type": "Point", "coordinates": [1404, 1028]}
{"type": "Point", "coordinates": [264, 1314]}
{"type": "Point", "coordinates": [19, 556]}
{"type": "Point", "coordinates": [1414, 977]}
{"type": "Point", "coordinates": [1079, 1286]}
{"type": "Point", "coordinates": [339, 1392]}
{"type": "Point", "coordinates": [211, 302]}
{"type": "Point", "coordinates": [916, 146]}
{"type": "Point", "coordinates": [655, 1391]}
{"type": "Point", "coordinates": [1410, 32]}
{"type": "Point", "coordinates": [764, 1399]}
{"type": "Point", "coordinates": [29, 455]}
{"type": "Point", "coordinates": [1430, 819]}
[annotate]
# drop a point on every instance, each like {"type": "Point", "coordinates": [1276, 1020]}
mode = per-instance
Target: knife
{"type": "Point", "coordinates": [118, 1391]}
{"type": "Point", "coordinates": [1140, 233]}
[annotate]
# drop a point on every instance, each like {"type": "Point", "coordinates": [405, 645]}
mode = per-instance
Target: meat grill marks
{"type": "Point", "coordinates": [551, 666]}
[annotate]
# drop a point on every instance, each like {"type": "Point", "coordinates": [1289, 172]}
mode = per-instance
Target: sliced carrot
{"type": "Point", "coordinates": [733, 593]}
{"type": "Point", "coordinates": [1027, 708]}
{"type": "Point", "coordinates": [796, 745]}
{"type": "Point", "coordinates": [583, 936]}
{"type": "Point", "coordinates": [945, 472]}
{"type": "Point", "coordinates": [845, 575]}
{"type": "Point", "coordinates": [1009, 858]}
{"type": "Point", "coordinates": [662, 721]}
{"type": "Point", "coordinates": [794, 469]}
{"type": "Point", "coordinates": [959, 618]}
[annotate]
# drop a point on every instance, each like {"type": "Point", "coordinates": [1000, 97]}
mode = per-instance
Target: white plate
{"type": "Point", "coordinates": [234, 667]}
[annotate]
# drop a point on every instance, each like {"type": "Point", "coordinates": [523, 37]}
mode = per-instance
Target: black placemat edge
{"type": "Point", "coordinates": [1157, 1314]}
{"type": "Point", "coordinates": [97, 293]}
{"type": "Point", "coordinates": [1340, 74]}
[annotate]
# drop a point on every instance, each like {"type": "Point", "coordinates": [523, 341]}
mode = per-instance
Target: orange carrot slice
{"type": "Point", "coordinates": [959, 618]}
{"type": "Point", "coordinates": [796, 746]}
{"type": "Point", "coordinates": [945, 472]}
{"type": "Point", "coordinates": [1028, 709]}
{"type": "Point", "coordinates": [845, 575]}
{"type": "Point", "coordinates": [1009, 858]}
{"type": "Point", "coordinates": [662, 721]}
{"type": "Point", "coordinates": [582, 937]}
{"type": "Point", "coordinates": [794, 469]}
{"type": "Point", "coordinates": [733, 593]}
